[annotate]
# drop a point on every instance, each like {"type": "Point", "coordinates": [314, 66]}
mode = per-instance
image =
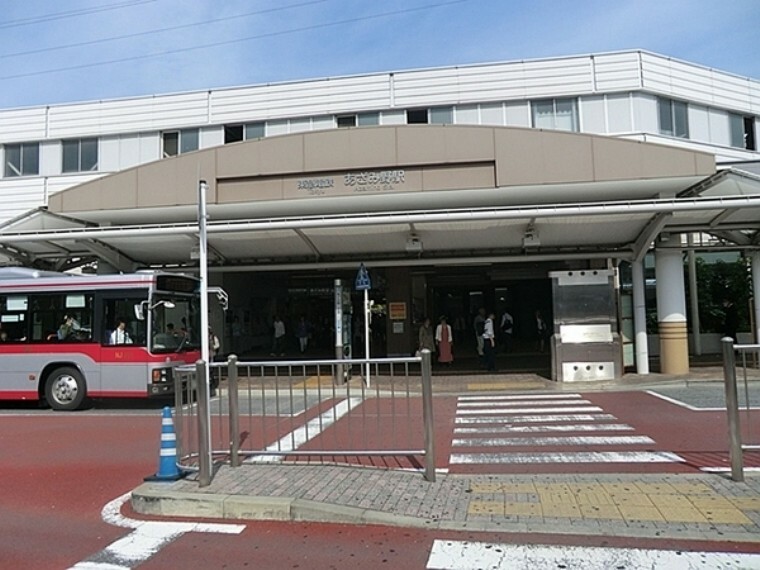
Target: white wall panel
{"type": "Point", "coordinates": [211, 136]}
{"type": "Point", "coordinates": [699, 123]}
{"type": "Point", "coordinates": [22, 125]}
{"type": "Point", "coordinates": [720, 132]}
{"type": "Point", "coordinates": [275, 128]}
{"type": "Point", "coordinates": [492, 114]}
{"type": "Point", "coordinates": [129, 151]}
{"type": "Point", "coordinates": [393, 118]}
{"type": "Point", "coordinates": [617, 72]}
{"type": "Point", "coordinates": [592, 113]}
{"type": "Point", "coordinates": [645, 113]}
{"type": "Point", "coordinates": [304, 98]}
{"type": "Point", "coordinates": [51, 158]}
{"type": "Point", "coordinates": [323, 122]}
{"type": "Point", "coordinates": [466, 115]}
{"type": "Point", "coordinates": [108, 154]}
{"type": "Point", "coordinates": [57, 183]}
{"type": "Point", "coordinates": [128, 115]}
{"type": "Point", "coordinates": [619, 113]}
{"type": "Point", "coordinates": [150, 147]}
{"type": "Point", "coordinates": [518, 114]}
{"type": "Point", "coordinates": [19, 195]}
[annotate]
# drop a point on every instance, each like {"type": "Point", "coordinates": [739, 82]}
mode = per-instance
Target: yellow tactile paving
{"type": "Point", "coordinates": [655, 488]}
{"type": "Point", "coordinates": [678, 514]}
{"type": "Point", "coordinates": [485, 508]}
{"type": "Point", "coordinates": [503, 488]}
{"type": "Point", "coordinates": [746, 503]}
{"type": "Point", "coordinates": [523, 509]}
{"type": "Point", "coordinates": [558, 498]}
{"type": "Point", "coordinates": [620, 488]}
{"type": "Point", "coordinates": [593, 498]}
{"type": "Point", "coordinates": [609, 512]}
{"type": "Point", "coordinates": [561, 510]}
{"type": "Point", "coordinates": [671, 501]}
{"type": "Point", "coordinates": [632, 500]}
{"type": "Point", "coordinates": [713, 502]}
{"type": "Point", "coordinates": [725, 516]}
{"type": "Point", "coordinates": [638, 513]}
{"type": "Point", "coordinates": [553, 488]}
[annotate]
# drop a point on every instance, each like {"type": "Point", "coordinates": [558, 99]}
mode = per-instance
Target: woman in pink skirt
{"type": "Point", "coordinates": [444, 340]}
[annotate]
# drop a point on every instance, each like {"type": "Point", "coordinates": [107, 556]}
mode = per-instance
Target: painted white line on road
{"type": "Point", "coordinates": [509, 411]}
{"type": "Point", "coordinates": [462, 555]}
{"type": "Point", "coordinates": [565, 440]}
{"type": "Point", "coordinates": [310, 430]}
{"type": "Point", "coordinates": [545, 429]}
{"type": "Point", "coordinates": [147, 538]}
{"type": "Point", "coordinates": [468, 405]}
{"type": "Point", "coordinates": [728, 469]}
{"type": "Point", "coordinates": [518, 397]}
{"type": "Point", "coordinates": [566, 457]}
{"type": "Point", "coordinates": [536, 419]}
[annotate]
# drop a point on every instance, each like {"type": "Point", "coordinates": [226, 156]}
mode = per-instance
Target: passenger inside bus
{"type": "Point", "coordinates": [70, 329]}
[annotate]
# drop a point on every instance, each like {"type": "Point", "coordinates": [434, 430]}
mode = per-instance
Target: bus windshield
{"type": "Point", "coordinates": [175, 323]}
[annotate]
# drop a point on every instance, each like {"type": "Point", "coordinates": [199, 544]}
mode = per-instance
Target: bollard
{"type": "Point", "coordinates": [234, 410]}
{"type": "Point", "coordinates": [427, 415]}
{"type": "Point", "coordinates": [204, 426]}
{"type": "Point", "coordinates": [732, 410]}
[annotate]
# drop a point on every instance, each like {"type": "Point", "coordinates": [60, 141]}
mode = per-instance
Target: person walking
{"type": "Point", "coordinates": [426, 336]}
{"type": "Point", "coordinates": [278, 339]}
{"type": "Point", "coordinates": [506, 326]}
{"type": "Point", "coordinates": [303, 332]}
{"type": "Point", "coordinates": [478, 324]}
{"type": "Point", "coordinates": [542, 331]}
{"type": "Point", "coordinates": [489, 343]}
{"type": "Point", "coordinates": [444, 339]}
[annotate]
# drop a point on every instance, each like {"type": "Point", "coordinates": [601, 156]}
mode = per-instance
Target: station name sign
{"type": "Point", "coordinates": [356, 182]}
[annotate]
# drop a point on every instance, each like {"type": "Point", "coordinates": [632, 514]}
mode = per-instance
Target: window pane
{"type": "Point", "coordinates": [233, 133]}
{"type": "Point", "coordinates": [12, 160]}
{"type": "Point", "coordinates": [89, 155]}
{"type": "Point", "coordinates": [681, 119]}
{"type": "Point", "coordinates": [543, 114]}
{"type": "Point", "coordinates": [665, 111]}
{"type": "Point", "coordinates": [346, 121]}
{"type": "Point", "coordinates": [254, 131]}
{"type": "Point", "coordinates": [367, 119]}
{"type": "Point", "coordinates": [736, 125]}
{"type": "Point", "coordinates": [565, 118]}
{"type": "Point", "coordinates": [30, 159]}
{"type": "Point", "coordinates": [442, 115]}
{"type": "Point", "coordinates": [416, 117]}
{"type": "Point", "coordinates": [71, 156]}
{"type": "Point", "coordinates": [188, 140]}
{"type": "Point", "coordinates": [171, 144]}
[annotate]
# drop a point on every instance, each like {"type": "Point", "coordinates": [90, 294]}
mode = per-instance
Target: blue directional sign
{"type": "Point", "coordinates": [362, 279]}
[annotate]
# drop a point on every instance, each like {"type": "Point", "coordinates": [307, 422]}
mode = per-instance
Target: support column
{"type": "Point", "coordinates": [640, 318]}
{"type": "Point", "coordinates": [755, 260]}
{"type": "Point", "coordinates": [671, 311]}
{"type": "Point", "coordinates": [696, 332]}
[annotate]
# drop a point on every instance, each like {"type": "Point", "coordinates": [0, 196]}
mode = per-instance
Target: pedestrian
{"type": "Point", "coordinates": [444, 339]}
{"type": "Point", "coordinates": [478, 325]}
{"type": "Point", "coordinates": [278, 339]}
{"type": "Point", "coordinates": [213, 344]}
{"type": "Point", "coordinates": [541, 332]}
{"type": "Point", "coordinates": [426, 336]}
{"type": "Point", "coordinates": [730, 320]}
{"type": "Point", "coordinates": [506, 326]}
{"type": "Point", "coordinates": [303, 332]}
{"type": "Point", "coordinates": [489, 343]}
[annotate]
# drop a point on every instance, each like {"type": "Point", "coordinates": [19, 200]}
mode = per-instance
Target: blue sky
{"type": "Point", "coordinates": [169, 45]}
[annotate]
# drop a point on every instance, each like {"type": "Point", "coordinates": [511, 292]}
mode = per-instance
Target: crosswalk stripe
{"type": "Point", "coordinates": [562, 440]}
{"type": "Point", "coordinates": [468, 405]}
{"type": "Point", "coordinates": [511, 411]}
{"type": "Point", "coordinates": [518, 397]}
{"type": "Point", "coordinates": [535, 419]}
{"type": "Point", "coordinates": [463, 555]}
{"type": "Point", "coordinates": [544, 429]}
{"type": "Point", "coordinates": [567, 457]}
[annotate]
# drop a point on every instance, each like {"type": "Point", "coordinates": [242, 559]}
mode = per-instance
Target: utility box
{"type": "Point", "coordinates": [586, 345]}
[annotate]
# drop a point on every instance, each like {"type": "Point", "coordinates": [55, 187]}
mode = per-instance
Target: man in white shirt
{"type": "Point", "coordinates": [119, 334]}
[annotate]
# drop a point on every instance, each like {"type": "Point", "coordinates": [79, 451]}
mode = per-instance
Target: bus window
{"type": "Point", "coordinates": [122, 309]}
{"type": "Point", "coordinates": [13, 318]}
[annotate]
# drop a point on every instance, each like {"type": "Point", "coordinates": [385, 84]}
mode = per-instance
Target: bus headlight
{"type": "Point", "coordinates": [161, 375]}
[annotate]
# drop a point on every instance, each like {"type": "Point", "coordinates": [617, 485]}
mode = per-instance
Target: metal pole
{"type": "Point", "coordinates": [232, 386]}
{"type": "Point", "coordinates": [204, 425]}
{"type": "Point", "coordinates": [732, 410]}
{"type": "Point", "coordinates": [366, 333]}
{"type": "Point", "coordinates": [640, 317]}
{"type": "Point", "coordinates": [203, 262]}
{"type": "Point", "coordinates": [427, 415]}
{"type": "Point", "coordinates": [338, 330]}
{"type": "Point", "coordinates": [696, 331]}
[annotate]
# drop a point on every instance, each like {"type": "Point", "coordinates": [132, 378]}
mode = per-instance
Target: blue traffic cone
{"type": "Point", "coordinates": [167, 462]}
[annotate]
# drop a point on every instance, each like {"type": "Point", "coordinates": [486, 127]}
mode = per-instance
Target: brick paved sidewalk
{"type": "Point", "coordinates": [677, 506]}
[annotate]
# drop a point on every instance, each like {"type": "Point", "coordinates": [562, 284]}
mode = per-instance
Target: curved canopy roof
{"type": "Point", "coordinates": [395, 195]}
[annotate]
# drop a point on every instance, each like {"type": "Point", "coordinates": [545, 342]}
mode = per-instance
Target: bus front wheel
{"type": "Point", "coordinates": [65, 389]}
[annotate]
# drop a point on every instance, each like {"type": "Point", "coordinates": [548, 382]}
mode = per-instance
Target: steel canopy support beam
{"type": "Point", "coordinates": [111, 255]}
{"type": "Point", "coordinates": [310, 244]}
{"type": "Point", "coordinates": [646, 237]}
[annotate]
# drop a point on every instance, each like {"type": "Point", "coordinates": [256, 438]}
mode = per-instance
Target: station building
{"type": "Point", "coordinates": [553, 185]}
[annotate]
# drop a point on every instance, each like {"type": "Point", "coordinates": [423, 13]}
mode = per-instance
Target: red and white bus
{"type": "Point", "coordinates": [61, 340]}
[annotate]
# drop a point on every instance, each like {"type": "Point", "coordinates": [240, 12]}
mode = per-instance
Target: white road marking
{"type": "Point", "coordinates": [518, 397]}
{"type": "Point", "coordinates": [467, 405]}
{"type": "Point", "coordinates": [298, 437]}
{"type": "Point", "coordinates": [728, 469]}
{"type": "Point", "coordinates": [461, 555]}
{"type": "Point", "coordinates": [536, 419]}
{"type": "Point", "coordinates": [510, 411]}
{"type": "Point", "coordinates": [147, 538]}
{"type": "Point", "coordinates": [565, 440]}
{"type": "Point", "coordinates": [545, 429]}
{"type": "Point", "coordinates": [566, 457]}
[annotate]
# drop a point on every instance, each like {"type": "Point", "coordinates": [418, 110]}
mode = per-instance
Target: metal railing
{"type": "Point", "coordinates": [298, 410]}
{"type": "Point", "coordinates": [736, 447]}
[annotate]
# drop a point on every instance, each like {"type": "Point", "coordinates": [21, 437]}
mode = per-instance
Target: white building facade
{"type": "Point", "coordinates": [633, 95]}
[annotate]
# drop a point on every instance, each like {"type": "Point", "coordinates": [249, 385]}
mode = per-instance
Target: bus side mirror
{"type": "Point", "coordinates": [140, 311]}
